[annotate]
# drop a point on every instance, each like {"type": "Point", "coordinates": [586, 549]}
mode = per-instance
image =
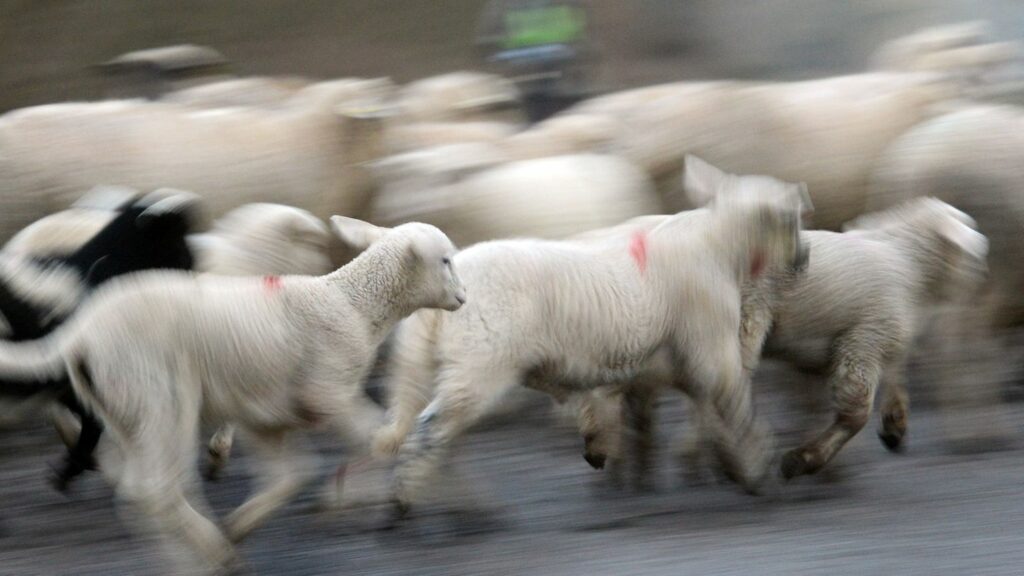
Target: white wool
{"type": "Point", "coordinates": [854, 315]}
{"type": "Point", "coordinates": [970, 159]}
{"type": "Point", "coordinates": [568, 316]}
{"type": "Point", "coordinates": [473, 194]}
{"type": "Point", "coordinates": [149, 352]}
{"type": "Point", "coordinates": [826, 132]}
{"type": "Point", "coordinates": [306, 152]}
{"type": "Point", "coordinates": [457, 96]}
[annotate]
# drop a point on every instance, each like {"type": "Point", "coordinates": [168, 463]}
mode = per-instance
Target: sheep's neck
{"type": "Point", "coordinates": [731, 235]}
{"type": "Point", "coordinates": [376, 283]}
{"type": "Point", "coordinates": [926, 256]}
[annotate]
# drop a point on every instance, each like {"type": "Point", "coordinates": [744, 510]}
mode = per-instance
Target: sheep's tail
{"type": "Point", "coordinates": [31, 367]}
{"type": "Point", "coordinates": [410, 379]}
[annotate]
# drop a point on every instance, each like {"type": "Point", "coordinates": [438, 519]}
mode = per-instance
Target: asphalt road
{"type": "Point", "coordinates": [537, 508]}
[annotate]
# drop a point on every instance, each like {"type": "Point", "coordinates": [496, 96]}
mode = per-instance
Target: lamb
{"type": "Point", "coordinates": [459, 96]}
{"type": "Point", "coordinates": [971, 159]}
{"type": "Point", "coordinates": [893, 269]}
{"type": "Point", "coordinates": [255, 239]}
{"type": "Point", "coordinates": [843, 123]}
{"type": "Point", "coordinates": [35, 298]}
{"type": "Point", "coordinates": [569, 316]}
{"type": "Point", "coordinates": [470, 191]}
{"type": "Point", "coordinates": [307, 153]}
{"type": "Point", "coordinates": [63, 232]}
{"type": "Point", "coordinates": [151, 352]}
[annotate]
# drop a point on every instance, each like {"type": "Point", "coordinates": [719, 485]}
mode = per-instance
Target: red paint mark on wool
{"type": "Point", "coordinates": [638, 250]}
{"type": "Point", "coordinates": [271, 283]}
{"type": "Point", "coordinates": [756, 264]}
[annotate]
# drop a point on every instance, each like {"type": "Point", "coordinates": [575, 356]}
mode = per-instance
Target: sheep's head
{"type": "Point", "coordinates": [428, 254]}
{"type": "Point", "coordinates": [264, 238]}
{"type": "Point", "coordinates": [947, 236]}
{"type": "Point", "coordinates": [771, 209]}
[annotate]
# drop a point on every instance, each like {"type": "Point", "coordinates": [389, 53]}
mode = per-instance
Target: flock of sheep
{"type": "Point", "coordinates": [124, 327]}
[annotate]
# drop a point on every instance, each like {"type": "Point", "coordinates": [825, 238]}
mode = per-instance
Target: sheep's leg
{"type": "Point", "coordinates": [462, 399]}
{"type": "Point", "coordinates": [894, 408]}
{"type": "Point", "coordinates": [639, 403]}
{"type": "Point", "coordinates": [219, 450]}
{"type": "Point", "coordinates": [411, 377]}
{"type": "Point", "coordinates": [67, 425]}
{"type": "Point", "coordinates": [284, 468]}
{"type": "Point", "coordinates": [755, 323]}
{"type": "Point", "coordinates": [853, 382]}
{"type": "Point", "coordinates": [692, 449]}
{"type": "Point", "coordinates": [158, 475]}
{"type": "Point", "coordinates": [717, 383]}
{"type": "Point", "coordinates": [599, 422]}
{"type": "Point", "coordinates": [972, 367]}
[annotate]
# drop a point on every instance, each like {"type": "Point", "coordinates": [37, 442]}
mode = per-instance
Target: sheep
{"type": "Point", "coordinates": [34, 298]}
{"type": "Point", "coordinates": [569, 316]}
{"type": "Point", "coordinates": [826, 132]}
{"type": "Point", "coordinates": [307, 153]}
{"type": "Point", "coordinates": [274, 355]}
{"type": "Point", "coordinates": [971, 159]}
{"type": "Point", "coordinates": [249, 91]}
{"type": "Point", "coordinates": [470, 191]}
{"type": "Point", "coordinates": [461, 96]}
{"type": "Point", "coordinates": [255, 239]}
{"type": "Point", "coordinates": [892, 269]}
{"type": "Point", "coordinates": [64, 232]}
{"type": "Point", "coordinates": [410, 136]}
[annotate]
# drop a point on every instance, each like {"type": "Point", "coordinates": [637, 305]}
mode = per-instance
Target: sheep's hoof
{"type": "Point", "coordinates": [795, 463]}
{"type": "Point", "coordinates": [212, 472]}
{"type": "Point", "coordinates": [892, 440]}
{"type": "Point", "coordinates": [399, 515]}
{"type": "Point", "coordinates": [596, 460]}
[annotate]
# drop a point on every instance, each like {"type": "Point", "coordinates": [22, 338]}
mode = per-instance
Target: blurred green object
{"type": "Point", "coordinates": [543, 25]}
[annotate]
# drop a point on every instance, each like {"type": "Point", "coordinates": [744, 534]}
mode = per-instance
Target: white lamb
{"type": "Point", "coordinates": [972, 159]}
{"type": "Point", "coordinates": [852, 317]}
{"type": "Point", "coordinates": [152, 352]}
{"type": "Point", "coordinates": [471, 192]}
{"type": "Point", "coordinates": [569, 316]}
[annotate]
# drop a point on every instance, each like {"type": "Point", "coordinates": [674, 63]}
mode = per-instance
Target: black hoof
{"type": "Point", "coordinates": [399, 514]}
{"type": "Point", "coordinates": [596, 461]}
{"type": "Point", "coordinates": [211, 473]}
{"type": "Point", "coordinates": [794, 464]}
{"type": "Point", "coordinates": [892, 441]}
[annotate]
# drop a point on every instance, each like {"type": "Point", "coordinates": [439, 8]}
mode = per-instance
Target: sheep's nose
{"type": "Point", "coordinates": [460, 298]}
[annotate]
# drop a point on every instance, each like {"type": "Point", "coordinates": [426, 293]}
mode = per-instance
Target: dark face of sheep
{"type": "Point", "coordinates": [140, 237]}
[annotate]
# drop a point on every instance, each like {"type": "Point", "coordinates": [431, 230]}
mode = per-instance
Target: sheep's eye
{"type": "Point", "coordinates": [445, 261]}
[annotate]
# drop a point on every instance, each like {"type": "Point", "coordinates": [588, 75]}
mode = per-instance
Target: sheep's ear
{"type": "Point", "coordinates": [356, 233]}
{"type": "Point", "coordinates": [806, 206]}
{"type": "Point", "coordinates": [166, 201]}
{"type": "Point", "coordinates": [961, 238]}
{"type": "Point", "coordinates": [701, 181]}
{"type": "Point", "coordinates": [306, 228]}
